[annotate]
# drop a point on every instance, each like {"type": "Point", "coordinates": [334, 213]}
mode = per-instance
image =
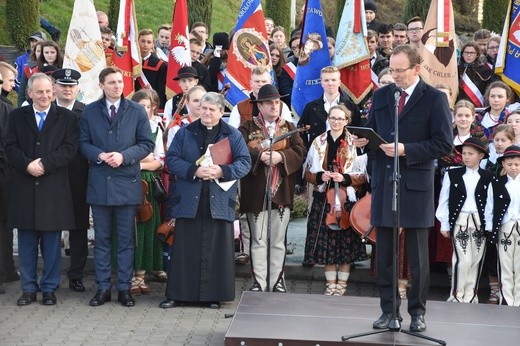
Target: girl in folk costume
{"type": "Point", "coordinates": [149, 250]}
{"type": "Point", "coordinates": [462, 202]}
{"type": "Point", "coordinates": [335, 247]}
{"type": "Point", "coordinates": [497, 97]}
{"type": "Point", "coordinates": [503, 223]}
{"type": "Point", "coordinates": [474, 76]}
{"type": "Point", "coordinates": [514, 121]}
{"type": "Point", "coordinates": [503, 137]}
{"type": "Point", "coordinates": [464, 128]}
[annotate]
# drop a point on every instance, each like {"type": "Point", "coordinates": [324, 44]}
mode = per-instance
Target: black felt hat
{"type": "Point", "coordinates": [512, 151]}
{"type": "Point", "coordinates": [187, 72]}
{"type": "Point", "coordinates": [267, 93]}
{"type": "Point", "coordinates": [476, 143]}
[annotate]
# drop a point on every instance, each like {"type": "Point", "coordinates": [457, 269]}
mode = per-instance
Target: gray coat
{"type": "Point", "coordinates": [129, 135]}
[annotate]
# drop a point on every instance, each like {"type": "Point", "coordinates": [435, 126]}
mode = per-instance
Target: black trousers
{"type": "Point", "coordinates": [417, 242]}
{"type": "Point", "coordinates": [6, 251]}
{"type": "Point", "coordinates": [78, 253]}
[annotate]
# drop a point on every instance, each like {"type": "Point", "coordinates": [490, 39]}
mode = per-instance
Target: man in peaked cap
{"type": "Point", "coordinates": [66, 82]}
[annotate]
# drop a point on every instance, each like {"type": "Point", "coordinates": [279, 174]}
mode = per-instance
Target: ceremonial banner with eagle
{"type": "Point", "coordinates": [248, 48]}
{"type": "Point", "coordinates": [439, 59]}
{"type": "Point", "coordinates": [84, 50]}
{"type": "Point", "coordinates": [179, 55]}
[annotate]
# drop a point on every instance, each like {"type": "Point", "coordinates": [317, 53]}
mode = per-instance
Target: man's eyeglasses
{"type": "Point", "coordinates": [399, 70]}
{"type": "Point", "coordinates": [415, 29]}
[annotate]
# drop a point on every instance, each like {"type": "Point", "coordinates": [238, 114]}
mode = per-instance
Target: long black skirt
{"type": "Point", "coordinates": [202, 267]}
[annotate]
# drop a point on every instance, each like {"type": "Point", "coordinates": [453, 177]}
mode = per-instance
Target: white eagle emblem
{"type": "Point", "coordinates": [181, 53]}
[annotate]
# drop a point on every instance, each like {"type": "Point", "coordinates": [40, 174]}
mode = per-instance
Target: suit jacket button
{"type": "Point", "coordinates": [38, 143]}
{"type": "Point", "coordinates": [37, 183]}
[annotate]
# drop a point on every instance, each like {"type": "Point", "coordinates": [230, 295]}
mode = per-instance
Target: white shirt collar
{"type": "Point", "coordinates": [409, 91]}
{"type": "Point", "coordinates": [45, 110]}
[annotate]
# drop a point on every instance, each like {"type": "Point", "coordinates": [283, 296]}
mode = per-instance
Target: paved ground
{"type": "Point", "coordinates": [73, 322]}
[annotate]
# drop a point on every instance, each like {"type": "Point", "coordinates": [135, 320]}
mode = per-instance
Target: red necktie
{"type": "Point", "coordinates": [113, 113]}
{"type": "Point", "coordinates": [402, 100]}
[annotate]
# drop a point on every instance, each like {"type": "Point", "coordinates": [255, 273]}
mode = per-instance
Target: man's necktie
{"type": "Point", "coordinates": [112, 113]}
{"type": "Point", "coordinates": [402, 100]}
{"type": "Point", "coordinates": [42, 119]}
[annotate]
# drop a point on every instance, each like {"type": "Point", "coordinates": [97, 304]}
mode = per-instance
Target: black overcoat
{"type": "Point", "coordinates": [41, 203]}
{"type": "Point", "coordinates": [78, 179]}
{"type": "Point", "coordinates": [426, 132]}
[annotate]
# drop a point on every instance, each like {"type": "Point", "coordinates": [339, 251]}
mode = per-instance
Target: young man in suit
{"type": "Point", "coordinates": [41, 141]}
{"type": "Point", "coordinates": [66, 87]}
{"type": "Point", "coordinates": [425, 134]}
{"type": "Point", "coordinates": [114, 137]}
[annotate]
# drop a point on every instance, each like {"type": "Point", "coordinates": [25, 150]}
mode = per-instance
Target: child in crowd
{"type": "Point", "coordinates": [503, 137]}
{"type": "Point", "coordinates": [513, 120]}
{"type": "Point", "coordinates": [503, 223]}
{"type": "Point", "coordinates": [462, 202]}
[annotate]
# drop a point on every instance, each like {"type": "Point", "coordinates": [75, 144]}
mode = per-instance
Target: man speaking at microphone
{"type": "Point", "coordinates": [425, 134]}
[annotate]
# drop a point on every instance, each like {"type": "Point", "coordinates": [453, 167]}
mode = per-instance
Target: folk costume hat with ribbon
{"type": "Point", "coordinates": [187, 72]}
{"type": "Point", "coordinates": [267, 93]}
{"type": "Point", "coordinates": [511, 151]}
{"type": "Point", "coordinates": [476, 143]}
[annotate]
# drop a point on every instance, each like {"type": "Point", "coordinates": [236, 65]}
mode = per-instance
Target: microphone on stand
{"type": "Point", "coordinates": [271, 133]}
{"type": "Point", "coordinates": [397, 95]}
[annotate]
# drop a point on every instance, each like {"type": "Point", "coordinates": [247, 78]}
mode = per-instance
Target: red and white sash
{"type": "Point", "coordinates": [472, 91]}
{"type": "Point", "coordinates": [290, 69]}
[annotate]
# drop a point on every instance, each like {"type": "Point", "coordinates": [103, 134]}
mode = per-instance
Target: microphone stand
{"type": "Point", "coordinates": [395, 322]}
{"type": "Point", "coordinates": [269, 208]}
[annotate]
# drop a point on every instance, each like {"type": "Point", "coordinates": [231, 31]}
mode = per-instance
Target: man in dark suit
{"type": "Point", "coordinates": [7, 269]}
{"type": "Point", "coordinates": [41, 141]}
{"type": "Point", "coordinates": [115, 136]}
{"type": "Point", "coordinates": [424, 135]}
{"type": "Point", "coordinates": [66, 89]}
{"type": "Point", "coordinates": [315, 113]}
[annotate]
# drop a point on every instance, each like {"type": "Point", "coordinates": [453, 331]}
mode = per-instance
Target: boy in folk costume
{"type": "Point", "coordinates": [503, 223]}
{"type": "Point", "coordinates": [462, 203]}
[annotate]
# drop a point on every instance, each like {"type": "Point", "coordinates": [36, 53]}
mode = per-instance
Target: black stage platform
{"type": "Point", "coordinates": [310, 319]}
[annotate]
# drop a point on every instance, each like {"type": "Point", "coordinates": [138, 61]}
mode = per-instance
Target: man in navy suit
{"type": "Point", "coordinates": [425, 134]}
{"type": "Point", "coordinates": [114, 137]}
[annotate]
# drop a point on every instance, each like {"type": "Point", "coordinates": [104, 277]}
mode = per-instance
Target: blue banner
{"type": "Point", "coordinates": [508, 59]}
{"type": "Point", "coordinates": [314, 55]}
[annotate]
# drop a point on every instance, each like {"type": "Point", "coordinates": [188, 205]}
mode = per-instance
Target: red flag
{"type": "Point", "coordinates": [179, 55]}
{"type": "Point", "coordinates": [127, 56]}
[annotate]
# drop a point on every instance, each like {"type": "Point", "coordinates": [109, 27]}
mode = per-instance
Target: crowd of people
{"type": "Point", "coordinates": [61, 160]}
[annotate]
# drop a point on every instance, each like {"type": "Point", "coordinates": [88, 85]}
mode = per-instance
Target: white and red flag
{"type": "Point", "coordinates": [127, 56]}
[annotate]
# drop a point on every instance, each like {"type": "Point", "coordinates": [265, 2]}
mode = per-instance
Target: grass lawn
{"type": "Point", "coordinates": [150, 14]}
